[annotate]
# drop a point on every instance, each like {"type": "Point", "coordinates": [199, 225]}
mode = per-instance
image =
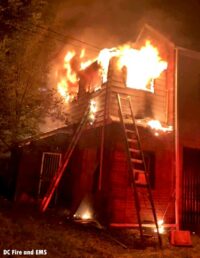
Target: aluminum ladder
{"type": "Point", "coordinates": [58, 175]}
{"type": "Point", "coordinates": [138, 174]}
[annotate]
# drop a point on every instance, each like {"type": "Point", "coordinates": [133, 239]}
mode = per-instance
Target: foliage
{"type": "Point", "coordinates": [25, 53]}
{"type": "Point", "coordinates": [32, 33]}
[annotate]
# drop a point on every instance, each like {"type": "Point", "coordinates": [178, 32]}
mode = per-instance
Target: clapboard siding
{"type": "Point", "coordinates": [145, 104]}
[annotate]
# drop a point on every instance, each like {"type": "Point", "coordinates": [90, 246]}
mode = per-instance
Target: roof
{"type": "Point", "coordinates": [189, 52]}
{"type": "Point", "coordinates": [154, 31]}
{"type": "Point", "coordinates": [168, 39]}
{"type": "Point", "coordinates": [62, 130]}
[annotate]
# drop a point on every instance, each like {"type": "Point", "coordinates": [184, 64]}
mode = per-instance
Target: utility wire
{"type": "Point", "coordinates": [66, 36]}
{"type": "Point", "coordinates": [46, 36]}
{"type": "Point", "coordinates": [95, 48]}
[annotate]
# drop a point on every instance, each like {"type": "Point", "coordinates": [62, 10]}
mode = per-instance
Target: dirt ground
{"type": "Point", "coordinates": [25, 230]}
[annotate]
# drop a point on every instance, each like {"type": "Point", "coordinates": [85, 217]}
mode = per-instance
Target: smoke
{"type": "Point", "coordinates": [103, 23]}
{"type": "Point", "coordinates": [108, 23]}
{"type": "Point", "coordinates": [113, 22]}
{"type": "Point", "coordinates": [122, 19]}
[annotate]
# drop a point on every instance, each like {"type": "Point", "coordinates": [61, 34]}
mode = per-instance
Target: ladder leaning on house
{"type": "Point", "coordinates": [58, 175]}
{"type": "Point", "coordinates": [138, 173]}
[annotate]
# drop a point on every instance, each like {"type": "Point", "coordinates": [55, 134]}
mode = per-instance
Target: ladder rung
{"type": "Point", "coordinates": [125, 106]}
{"type": "Point", "coordinates": [125, 109]}
{"type": "Point", "coordinates": [139, 161]}
{"type": "Point", "coordinates": [124, 98]}
{"type": "Point", "coordinates": [132, 140]}
{"type": "Point", "coordinates": [130, 131]}
{"type": "Point", "coordinates": [134, 150]}
{"type": "Point", "coordinates": [126, 115]}
{"type": "Point", "coordinates": [139, 171]}
{"type": "Point", "coordinates": [138, 183]}
{"type": "Point", "coordinates": [127, 120]}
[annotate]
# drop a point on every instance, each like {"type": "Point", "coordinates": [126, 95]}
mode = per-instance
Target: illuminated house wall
{"type": "Point", "coordinates": [159, 150]}
{"type": "Point", "coordinates": [188, 99]}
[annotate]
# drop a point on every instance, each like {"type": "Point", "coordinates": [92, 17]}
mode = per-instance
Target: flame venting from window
{"type": "Point", "coordinates": [142, 67]}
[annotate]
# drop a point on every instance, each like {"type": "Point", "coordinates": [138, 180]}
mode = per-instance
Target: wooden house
{"type": "Point", "coordinates": [98, 166]}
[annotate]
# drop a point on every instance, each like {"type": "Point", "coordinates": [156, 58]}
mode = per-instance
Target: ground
{"type": "Point", "coordinates": [23, 228]}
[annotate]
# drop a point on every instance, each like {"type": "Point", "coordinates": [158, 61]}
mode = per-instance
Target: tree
{"type": "Point", "coordinates": [25, 98]}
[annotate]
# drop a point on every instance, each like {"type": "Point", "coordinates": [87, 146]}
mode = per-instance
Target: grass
{"type": "Point", "coordinates": [23, 228]}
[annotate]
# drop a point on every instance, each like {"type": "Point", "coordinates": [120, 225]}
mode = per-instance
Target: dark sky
{"type": "Point", "coordinates": [110, 22]}
{"type": "Point", "coordinates": [116, 21]}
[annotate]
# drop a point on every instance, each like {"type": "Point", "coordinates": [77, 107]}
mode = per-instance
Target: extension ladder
{"type": "Point", "coordinates": [138, 173]}
{"type": "Point", "coordinates": [58, 175]}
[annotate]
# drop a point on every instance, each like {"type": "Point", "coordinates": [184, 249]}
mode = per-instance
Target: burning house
{"type": "Point", "coordinates": [161, 82]}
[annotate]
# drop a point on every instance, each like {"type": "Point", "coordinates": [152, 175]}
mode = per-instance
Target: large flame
{"type": "Point", "coordinates": [104, 59]}
{"type": "Point", "coordinates": [142, 67]}
{"type": "Point", "coordinates": [70, 74]}
{"type": "Point", "coordinates": [73, 64]}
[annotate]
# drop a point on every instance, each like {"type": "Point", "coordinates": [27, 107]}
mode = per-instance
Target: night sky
{"type": "Point", "coordinates": [117, 21]}
{"type": "Point", "coordinates": [106, 23]}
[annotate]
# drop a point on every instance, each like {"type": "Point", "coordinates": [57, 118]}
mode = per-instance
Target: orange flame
{"type": "Point", "coordinates": [63, 89]}
{"type": "Point", "coordinates": [143, 66]}
{"type": "Point", "coordinates": [103, 59]}
{"type": "Point", "coordinates": [70, 75]}
{"type": "Point", "coordinates": [156, 125]}
{"type": "Point", "coordinates": [68, 85]}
